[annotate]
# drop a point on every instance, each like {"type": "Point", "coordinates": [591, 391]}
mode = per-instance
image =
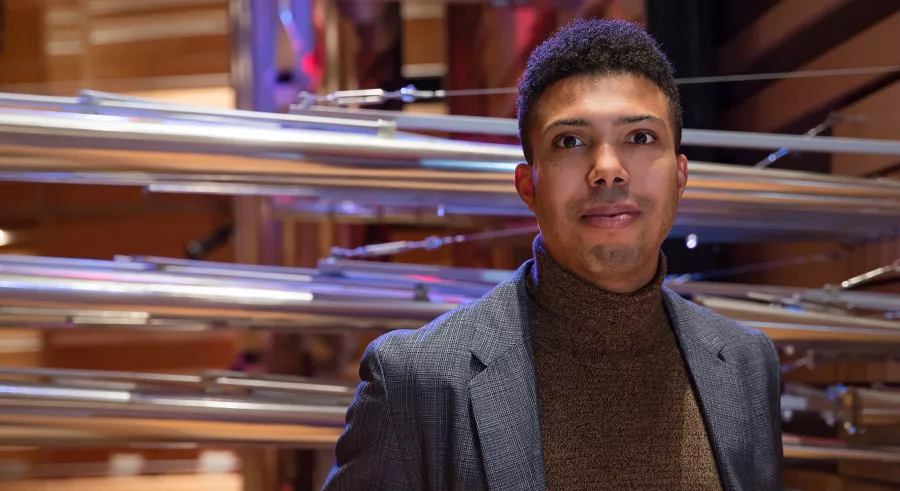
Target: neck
{"type": "Point", "coordinates": [583, 317]}
{"type": "Point", "coordinates": [615, 283]}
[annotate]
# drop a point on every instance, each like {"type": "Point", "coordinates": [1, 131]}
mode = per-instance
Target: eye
{"type": "Point", "coordinates": [569, 141]}
{"type": "Point", "coordinates": [642, 138]}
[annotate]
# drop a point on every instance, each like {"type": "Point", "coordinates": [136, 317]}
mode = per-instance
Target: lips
{"type": "Point", "coordinates": [610, 216]}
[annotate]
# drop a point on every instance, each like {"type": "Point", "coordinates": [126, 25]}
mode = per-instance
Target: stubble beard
{"type": "Point", "coordinates": [621, 260]}
{"type": "Point", "coordinates": [617, 260]}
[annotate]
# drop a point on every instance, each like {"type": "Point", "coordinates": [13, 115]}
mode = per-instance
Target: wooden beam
{"type": "Point", "coordinates": [877, 119]}
{"type": "Point", "coordinates": [771, 30]}
{"type": "Point", "coordinates": [788, 101]}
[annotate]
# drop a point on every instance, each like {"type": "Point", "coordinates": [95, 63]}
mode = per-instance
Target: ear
{"type": "Point", "coordinates": [682, 176]}
{"type": "Point", "coordinates": [525, 184]}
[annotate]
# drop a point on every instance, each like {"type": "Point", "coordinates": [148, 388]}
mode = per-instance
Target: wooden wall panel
{"type": "Point", "coordinates": [160, 41]}
{"type": "Point", "coordinates": [770, 30]}
{"type": "Point", "coordinates": [161, 235]}
{"type": "Point", "coordinates": [810, 480]}
{"type": "Point", "coordinates": [65, 27]}
{"type": "Point", "coordinates": [872, 117]}
{"type": "Point", "coordinates": [424, 40]}
{"type": "Point", "coordinates": [20, 347]}
{"type": "Point", "coordinates": [139, 351]}
{"type": "Point", "coordinates": [22, 50]}
{"type": "Point", "coordinates": [66, 45]}
{"type": "Point", "coordinates": [787, 101]}
{"type": "Point", "coordinates": [812, 275]}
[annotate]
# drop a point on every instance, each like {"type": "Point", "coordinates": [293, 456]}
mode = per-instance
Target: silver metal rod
{"type": "Point", "coordinates": [109, 132]}
{"type": "Point", "coordinates": [861, 300]}
{"type": "Point", "coordinates": [271, 300]}
{"type": "Point", "coordinates": [762, 312]}
{"type": "Point", "coordinates": [178, 296]}
{"type": "Point", "coordinates": [120, 403]}
{"type": "Point", "coordinates": [690, 137]}
{"type": "Point", "coordinates": [797, 449]}
{"type": "Point", "coordinates": [206, 380]}
{"type": "Point", "coordinates": [42, 101]}
{"type": "Point", "coordinates": [892, 270]}
{"type": "Point", "coordinates": [208, 281]}
{"type": "Point", "coordinates": [94, 102]}
{"type": "Point", "coordinates": [377, 119]}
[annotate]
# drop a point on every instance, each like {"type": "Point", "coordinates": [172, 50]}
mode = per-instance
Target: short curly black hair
{"type": "Point", "coordinates": [595, 47]}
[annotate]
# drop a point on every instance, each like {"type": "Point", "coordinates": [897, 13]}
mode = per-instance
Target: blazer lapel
{"type": "Point", "coordinates": [505, 407]}
{"type": "Point", "coordinates": [504, 394]}
{"type": "Point", "coordinates": [719, 391]}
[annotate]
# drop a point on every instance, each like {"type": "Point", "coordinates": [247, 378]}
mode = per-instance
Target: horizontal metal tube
{"type": "Point", "coordinates": [206, 380]}
{"type": "Point", "coordinates": [839, 453]}
{"type": "Point", "coordinates": [121, 403]}
{"type": "Point", "coordinates": [271, 299]}
{"type": "Point", "coordinates": [690, 137]}
{"type": "Point", "coordinates": [56, 430]}
{"type": "Point", "coordinates": [41, 101]}
{"type": "Point", "coordinates": [110, 132]}
{"type": "Point", "coordinates": [467, 124]}
{"type": "Point", "coordinates": [46, 274]}
{"type": "Point", "coordinates": [754, 311]}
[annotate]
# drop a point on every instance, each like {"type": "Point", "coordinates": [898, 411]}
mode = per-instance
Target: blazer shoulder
{"type": "Point", "coordinates": [445, 339]}
{"type": "Point", "coordinates": [499, 311]}
{"type": "Point", "coordinates": [446, 332]}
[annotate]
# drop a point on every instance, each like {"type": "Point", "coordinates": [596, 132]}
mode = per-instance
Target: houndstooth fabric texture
{"type": "Point", "coordinates": [454, 405]}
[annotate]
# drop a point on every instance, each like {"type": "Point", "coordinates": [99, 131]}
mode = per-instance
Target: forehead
{"type": "Point", "coordinates": [600, 95]}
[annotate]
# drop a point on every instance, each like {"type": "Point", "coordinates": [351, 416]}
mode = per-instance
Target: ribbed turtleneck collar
{"type": "Point", "coordinates": [583, 319]}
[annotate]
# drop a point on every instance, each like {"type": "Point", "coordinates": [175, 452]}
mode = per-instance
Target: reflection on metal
{"type": "Point", "coordinates": [824, 298]}
{"type": "Point", "coordinates": [342, 295]}
{"type": "Point", "coordinates": [833, 118]}
{"type": "Point", "coordinates": [81, 407]}
{"type": "Point", "coordinates": [797, 398]}
{"type": "Point", "coordinates": [754, 312]}
{"type": "Point", "coordinates": [52, 430]}
{"type": "Point", "coordinates": [344, 163]}
{"type": "Point", "coordinates": [42, 406]}
{"type": "Point", "coordinates": [890, 272]}
{"type": "Point", "coordinates": [690, 137]}
{"type": "Point", "coordinates": [799, 448]}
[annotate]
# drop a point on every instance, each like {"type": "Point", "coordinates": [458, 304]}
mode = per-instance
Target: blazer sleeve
{"type": "Point", "coordinates": [774, 374]}
{"type": "Point", "coordinates": [368, 453]}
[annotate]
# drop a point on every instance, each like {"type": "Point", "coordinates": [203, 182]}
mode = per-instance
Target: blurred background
{"type": "Point", "coordinates": [164, 257]}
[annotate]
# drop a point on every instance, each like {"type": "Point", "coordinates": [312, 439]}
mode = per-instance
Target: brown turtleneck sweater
{"type": "Point", "coordinates": [617, 410]}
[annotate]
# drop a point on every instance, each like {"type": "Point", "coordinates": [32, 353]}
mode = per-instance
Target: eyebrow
{"type": "Point", "coordinates": [639, 118]}
{"type": "Point", "coordinates": [620, 121]}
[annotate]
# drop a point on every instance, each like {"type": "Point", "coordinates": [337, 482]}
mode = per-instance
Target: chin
{"type": "Point", "coordinates": [617, 256]}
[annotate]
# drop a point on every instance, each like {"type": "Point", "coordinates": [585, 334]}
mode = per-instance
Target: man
{"type": "Point", "coordinates": [580, 371]}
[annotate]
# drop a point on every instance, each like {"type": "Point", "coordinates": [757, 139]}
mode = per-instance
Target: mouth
{"type": "Point", "coordinates": [610, 216]}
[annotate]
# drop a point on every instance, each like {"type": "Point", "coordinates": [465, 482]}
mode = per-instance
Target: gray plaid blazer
{"type": "Point", "coordinates": [453, 405]}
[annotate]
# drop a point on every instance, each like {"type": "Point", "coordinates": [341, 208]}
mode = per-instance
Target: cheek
{"type": "Point", "coordinates": [658, 182]}
{"type": "Point", "coordinates": [557, 194]}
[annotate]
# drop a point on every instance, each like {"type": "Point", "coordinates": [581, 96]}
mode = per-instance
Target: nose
{"type": "Point", "coordinates": [607, 169]}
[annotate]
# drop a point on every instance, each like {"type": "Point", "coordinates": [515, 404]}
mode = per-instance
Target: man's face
{"type": "Point", "coordinates": [605, 182]}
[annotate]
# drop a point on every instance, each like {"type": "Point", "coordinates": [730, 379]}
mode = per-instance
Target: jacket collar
{"type": "Point", "coordinates": [504, 393]}
{"type": "Point", "coordinates": [507, 323]}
